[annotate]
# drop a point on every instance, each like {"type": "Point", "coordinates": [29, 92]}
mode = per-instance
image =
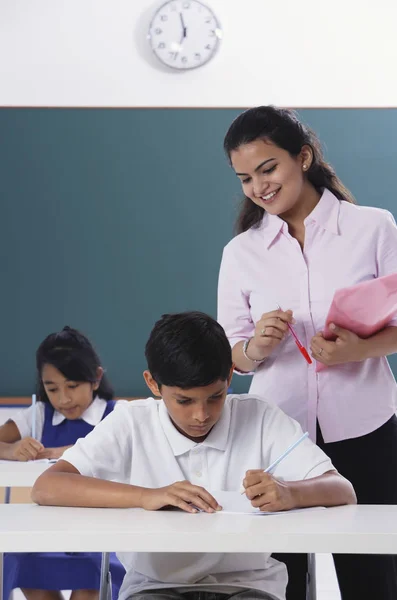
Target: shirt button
{"type": "Point", "coordinates": [198, 473]}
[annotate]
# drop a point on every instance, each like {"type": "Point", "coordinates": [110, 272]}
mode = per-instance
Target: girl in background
{"type": "Point", "coordinates": [73, 395]}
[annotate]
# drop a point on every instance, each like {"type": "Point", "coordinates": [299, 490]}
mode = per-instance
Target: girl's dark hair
{"type": "Point", "coordinates": [72, 354]}
{"type": "Point", "coordinates": [188, 350]}
{"type": "Point", "coordinates": [282, 127]}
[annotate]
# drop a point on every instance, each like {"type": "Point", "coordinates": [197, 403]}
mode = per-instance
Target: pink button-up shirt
{"type": "Point", "coordinates": [263, 267]}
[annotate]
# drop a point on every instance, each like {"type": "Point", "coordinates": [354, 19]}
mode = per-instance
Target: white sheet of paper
{"type": "Point", "coordinates": [236, 503]}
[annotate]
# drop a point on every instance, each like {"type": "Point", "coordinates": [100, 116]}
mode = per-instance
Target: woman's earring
{"type": "Point", "coordinates": [304, 167]}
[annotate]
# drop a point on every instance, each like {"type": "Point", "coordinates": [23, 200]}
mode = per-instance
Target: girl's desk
{"type": "Point", "coordinates": [21, 474]}
{"type": "Point", "coordinates": [15, 474]}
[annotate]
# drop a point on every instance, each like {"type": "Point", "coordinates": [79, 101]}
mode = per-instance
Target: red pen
{"type": "Point", "coordinates": [301, 347]}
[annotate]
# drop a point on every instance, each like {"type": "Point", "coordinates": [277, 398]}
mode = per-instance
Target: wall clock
{"type": "Point", "coordinates": [184, 34]}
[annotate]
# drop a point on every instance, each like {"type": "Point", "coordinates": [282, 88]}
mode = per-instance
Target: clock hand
{"type": "Point", "coordinates": [183, 28]}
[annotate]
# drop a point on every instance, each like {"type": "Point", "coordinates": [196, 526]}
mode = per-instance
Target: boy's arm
{"type": "Point", "coordinates": [330, 489]}
{"type": "Point", "coordinates": [270, 494]}
{"type": "Point", "coordinates": [63, 485]}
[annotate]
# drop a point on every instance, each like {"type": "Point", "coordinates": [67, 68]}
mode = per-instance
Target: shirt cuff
{"type": "Point", "coordinates": [78, 461]}
{"type": "Point", "coordinates": [320, 469]}
{"type": "Point", "coordinates": [238, 372]}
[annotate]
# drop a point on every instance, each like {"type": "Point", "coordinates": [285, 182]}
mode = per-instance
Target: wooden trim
{"type": "Point", "coordinates": [27, 400]}
{"type": "Point", "coordinates": [18, 400]}
{"type": "Point", "coordinates": [19, 495]}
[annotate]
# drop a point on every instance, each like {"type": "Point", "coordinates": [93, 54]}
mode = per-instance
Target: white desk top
{"type": "Point", "coordinates": [20, 474]}
{"type": "Point", "coordinates": [347, 529]}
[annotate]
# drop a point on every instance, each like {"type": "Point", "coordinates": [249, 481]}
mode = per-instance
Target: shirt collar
{"type": "Point", "coordinates": [271, 227]}
{"type": "Point", "coordinates": [217, 438]}
{"type": "Point", "coordinates": [325, 215]}
{"type": "Point", "coordinates": [93, 415]}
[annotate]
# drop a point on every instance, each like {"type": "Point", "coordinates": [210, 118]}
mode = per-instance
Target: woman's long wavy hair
{"type": "Point", "coordinates": [283, 128]}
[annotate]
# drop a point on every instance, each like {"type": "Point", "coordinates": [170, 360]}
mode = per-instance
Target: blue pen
{"type": "Point", "coordinates": [288, 450]}
{"type": "Point", "coordinates": [284, 454]}
{"type": "Point", "coordinates": [34, 416]}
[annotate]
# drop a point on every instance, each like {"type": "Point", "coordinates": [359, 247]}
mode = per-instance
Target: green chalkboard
{"type": "Point", "coordinates": [112, 217]}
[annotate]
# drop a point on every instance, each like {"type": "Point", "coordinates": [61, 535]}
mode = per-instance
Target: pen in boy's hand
{"type": "Point", "coordinates": [274, 464]}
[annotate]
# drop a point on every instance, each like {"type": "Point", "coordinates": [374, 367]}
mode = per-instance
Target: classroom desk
{"type": "Point", "coordinates": [20, 474]}
{"type": "Point", "coordinates": [346, 529]}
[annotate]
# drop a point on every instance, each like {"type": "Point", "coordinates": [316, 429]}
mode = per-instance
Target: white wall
{"type": "Point", "coordinates": [288, 52]}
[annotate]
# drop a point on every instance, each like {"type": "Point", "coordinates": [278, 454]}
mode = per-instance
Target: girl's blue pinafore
{"type": "Point", "coordinates": [59, 570]}
{"type": "Point", "coordinates": [67, 432]}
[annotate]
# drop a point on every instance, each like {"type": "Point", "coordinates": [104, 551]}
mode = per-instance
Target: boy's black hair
{"type": "Point", "coordinates": [188, 350]}
{"type": "Point", "coordinates": [73, 355]}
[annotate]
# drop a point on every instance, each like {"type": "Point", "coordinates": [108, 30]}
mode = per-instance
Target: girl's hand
{"type": "Point", "coordinates": [52, 453]}
{"type": "Point", "coordinates": [347, 347]}
{"type": "Point", "coordinates": [181, 494]}
{"type": "Point", "coordinates": [270, 330]}
{"type": "Point", "coordinates": [266, 492]}
{"type": "Point", "coordinates": [24, 450]}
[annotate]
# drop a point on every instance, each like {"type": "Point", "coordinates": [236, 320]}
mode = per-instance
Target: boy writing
{"type": "Point", "coordinates": [172, 451]}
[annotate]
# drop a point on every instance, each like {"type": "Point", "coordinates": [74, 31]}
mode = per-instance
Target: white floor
{"type": "Point", "coordinates": [327, 585]}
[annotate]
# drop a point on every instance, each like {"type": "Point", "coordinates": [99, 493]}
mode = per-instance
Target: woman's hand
{"type": "Point", "coordinates": [347, 347]}
{"type": "Point", "coordinates": [270, 330]}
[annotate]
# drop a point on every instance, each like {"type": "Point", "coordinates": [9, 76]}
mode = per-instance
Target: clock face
{"type": "Point", "coordinates": [184, 34]}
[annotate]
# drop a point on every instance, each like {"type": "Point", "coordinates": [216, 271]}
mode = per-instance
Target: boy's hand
{"type": "Point", "coordinates": [24, 450]}
{"type": "Point", "coordinates": [181, 494]}
{"type": "Point", "coordinates": [266, 492]}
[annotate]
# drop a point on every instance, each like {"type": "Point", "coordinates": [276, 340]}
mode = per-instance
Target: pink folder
{"type": "Point", "coordinates": [364, 308]}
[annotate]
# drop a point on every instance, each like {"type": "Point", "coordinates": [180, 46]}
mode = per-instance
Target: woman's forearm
{"type": "Point", "coordinates": [381, 344]}
{"type": "Point", "coordinates": [241, 362]}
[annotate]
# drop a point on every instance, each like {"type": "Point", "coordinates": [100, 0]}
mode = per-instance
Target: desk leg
{"type": "Point", "coordinates": [311, 590]}
{"type": "Point", "coordinates": [6, 501]}
{"type": "Point", "coordinates": [1, 575]}
{"type": "Point", "coordinates": [105, 590]}
{"type": "Point", "coordinates": [7, 495]}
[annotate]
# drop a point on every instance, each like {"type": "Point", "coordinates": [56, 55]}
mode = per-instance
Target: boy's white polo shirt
{"type": "Point", "coordinates": [138, 444]}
